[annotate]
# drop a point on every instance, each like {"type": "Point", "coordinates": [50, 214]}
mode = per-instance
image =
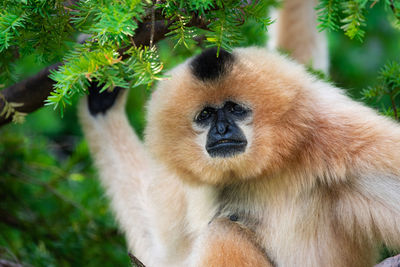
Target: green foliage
{"type": "Point", "coordinates": [257, 11]}
{"type": "Point", "coordinates": [328, 14]}
{"type": "Point", "coordinates": [221, 34]}
{"type": "Point", "coordinates": [395, 6]}
{"type": "Point", "coordinates": [318, 73]}
{"type": "Point", "coordinates": [105, 66]}
{"type": "Point", "coordinates": [9, 24]}
{"type": "Point", "coordinates": [388, 85]}
{"type": "Point", "coordinates": [47, 28]}
{"type": "Point", "coordinates": [52, 210]}
{"type": "Point", "coordinates": [224, 20]}
{"type": "Point", "coordinates": [30, 21]}
{"type": "Point", "coordinates": [31, 27]}
{"type": "Point", "coordinates": [180, 33]}
{"type": "Point", "coordinates": [354, 18]}
{"type": "Point", "coordinates": [9, 110]}
{"type": "Point", "coordinates": [349, 15]}
{"type": "Point", "coordinates": [143, 65]}
{"type": "Point", "coordinates": [83, 65]}
{"type": "Point", "coordinates": [109, 22]}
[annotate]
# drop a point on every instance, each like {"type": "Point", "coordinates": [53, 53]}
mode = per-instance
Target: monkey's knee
{"type": "Point", "coordinates": [229, 244]}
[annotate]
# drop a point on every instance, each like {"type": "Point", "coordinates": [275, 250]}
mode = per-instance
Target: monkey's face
{"type": "Point", "coordinates": [224, 130]}
{"type": "Point", "coordinates": [218, 120]}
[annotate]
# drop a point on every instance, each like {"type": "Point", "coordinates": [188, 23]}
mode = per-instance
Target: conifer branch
{"type": "Point", "coordinates": [33, 91]}
{"type": "Point", "coordinates": [137, 25]}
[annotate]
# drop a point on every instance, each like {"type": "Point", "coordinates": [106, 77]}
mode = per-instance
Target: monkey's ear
{"type": "Point", "coordinates": [101, 102]}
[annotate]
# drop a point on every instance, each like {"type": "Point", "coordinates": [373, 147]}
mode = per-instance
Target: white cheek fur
{"type": "Point", "coordinates": [247, 129]}
{"type": "Point", "coordinates": [201, 140]}
{"type": "Point", "coordinates": [245, 125]}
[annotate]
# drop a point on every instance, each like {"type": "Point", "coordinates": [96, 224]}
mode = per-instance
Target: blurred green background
{"type": "Point", "coordinates": [53, 211]}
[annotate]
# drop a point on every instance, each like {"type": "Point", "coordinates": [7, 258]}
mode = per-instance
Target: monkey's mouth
{"type": "Point", "coordinates": [227, 141]}
{"type": "Point", "coordinates": [226, 148]}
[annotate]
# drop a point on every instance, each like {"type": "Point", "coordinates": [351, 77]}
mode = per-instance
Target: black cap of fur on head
{"type": "Point", "coordinates": [207, 66]}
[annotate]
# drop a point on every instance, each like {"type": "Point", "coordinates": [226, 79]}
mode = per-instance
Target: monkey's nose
{"type": "Point", "coordinates": [222, 127]}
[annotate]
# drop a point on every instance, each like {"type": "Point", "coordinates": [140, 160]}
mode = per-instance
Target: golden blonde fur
{"type": "Point", "coordinates": [318, 184]}
{"type": "Point", "coordinates": [322, 171]}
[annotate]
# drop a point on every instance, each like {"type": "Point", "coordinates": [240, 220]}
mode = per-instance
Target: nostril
{"type": "Point", "coordinates": [222, 127]}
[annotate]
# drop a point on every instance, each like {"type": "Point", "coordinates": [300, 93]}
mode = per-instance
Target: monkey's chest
{"type": "Point", "coordinates": [288, 230]}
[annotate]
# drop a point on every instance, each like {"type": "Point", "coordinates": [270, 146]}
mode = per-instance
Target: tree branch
{"type": "Point", "coordinates": [33, 91]}
{"type": "Point", "coordinates": [7, 263]}
{"type": "Point", "coordinates": [390, 262]}
{"type": "Point", "coordinates": [135, 261]}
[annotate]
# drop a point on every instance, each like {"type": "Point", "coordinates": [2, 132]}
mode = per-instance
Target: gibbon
{"type": "Point", "coordinates": [251, 144]}
{"type": "Point", "coordinates": [248, 160]}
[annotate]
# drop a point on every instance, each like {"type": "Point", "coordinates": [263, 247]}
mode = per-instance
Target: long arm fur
{"type": "Point", "coordinates": [122, 163]}
{"type": "Point", "coordinates": [147, 200]}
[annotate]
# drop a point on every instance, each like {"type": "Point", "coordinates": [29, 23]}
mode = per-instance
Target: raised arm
{"type": "Point", "coordinates": [147, 200]}
{"type": "Point", "coordinates": [120, 158]}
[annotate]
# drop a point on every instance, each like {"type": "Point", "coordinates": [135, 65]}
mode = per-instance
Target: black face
{"type": "Point", "coordinates": [224, 138]}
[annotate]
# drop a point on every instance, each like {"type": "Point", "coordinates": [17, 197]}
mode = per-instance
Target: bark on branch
{"type": "Point", "coordinates": [31, 92]}
{"type": "Point", "coordinates": [390, 262]}
{"type": "Point", "coordinates": [7, 263]}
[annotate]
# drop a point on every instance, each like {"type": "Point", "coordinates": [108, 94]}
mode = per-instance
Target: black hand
{"type": "Point", "coordinates": [101, 102]}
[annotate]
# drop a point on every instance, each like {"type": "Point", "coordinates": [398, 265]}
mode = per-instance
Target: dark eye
{"type": "Point", "coordinates": [236, 109]}
{"type": "Point", "coordinates": [204, 114]}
